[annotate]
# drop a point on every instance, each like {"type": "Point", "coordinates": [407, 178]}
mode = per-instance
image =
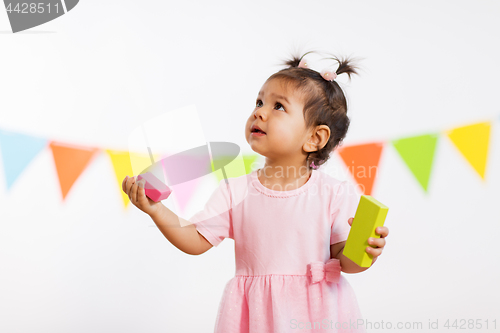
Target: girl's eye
{"type": "Point", "coordinates": [279, 106]}
{"type": "Point", "coordinates": [259, 103]}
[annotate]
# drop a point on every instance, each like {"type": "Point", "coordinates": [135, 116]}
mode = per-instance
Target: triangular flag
{"type": "Point", "coordinates": [186, 166]}
{"type": "Point", "coordinates": [183, 192]}
{"type": "Point", "coordinates": [418, 154]}
{"type": "Point", "coordinates": [122, 165]}
{"type": "Point", "coordinates": [248, 160]}
{"type": "Point", "coordinates": [70, 162]}
{"type": "Point", "coordinates": [191, 167]}
{"type": "Point", "coordinates": [473, 142]}
{"type": "Point", "coordinates": [362, 162]}
{"type": "Point", "coordinates": [17, 152]}
{"type": "Point", "coordinates": [141, 161]}
{"type": "Point", "coordinates": [232, 167]}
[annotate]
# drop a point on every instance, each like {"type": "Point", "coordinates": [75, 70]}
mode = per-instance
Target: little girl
{"type": "Point", "coordinates": [291, 226]}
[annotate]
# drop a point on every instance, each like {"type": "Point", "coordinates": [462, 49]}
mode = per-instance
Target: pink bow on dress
{"type": "Point", "coordinates": [329, 270]}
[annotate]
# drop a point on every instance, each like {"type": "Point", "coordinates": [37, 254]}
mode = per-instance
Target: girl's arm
{"type": "Point", "coordinates": [186, 238]}
{"type": "Point", "coordinates": [183, 236]}
{"type": "Point", "coordinates": [349, 266]}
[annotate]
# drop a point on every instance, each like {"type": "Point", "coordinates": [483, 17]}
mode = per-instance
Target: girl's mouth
{"type": "Point", "coordinates": [257, 132]}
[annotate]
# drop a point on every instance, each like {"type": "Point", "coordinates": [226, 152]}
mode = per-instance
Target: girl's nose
{"type": "Point", "coordinates": [260, 113]}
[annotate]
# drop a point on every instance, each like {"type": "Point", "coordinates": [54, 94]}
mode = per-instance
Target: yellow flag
{"type": "Point", "coordinates": [473, 142]}
{"type": "Point", "coordinates": [122, 164]}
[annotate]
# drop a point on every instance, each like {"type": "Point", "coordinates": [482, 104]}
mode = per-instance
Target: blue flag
{"type": "Point", "coordinates": [17, 152]}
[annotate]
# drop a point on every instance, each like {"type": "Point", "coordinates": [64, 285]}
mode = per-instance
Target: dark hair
{"type": "Point", "coordinates": [324, 104]}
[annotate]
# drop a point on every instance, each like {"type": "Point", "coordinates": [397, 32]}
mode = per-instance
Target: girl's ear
{"type": "Point", "coordinates": [318, 139]}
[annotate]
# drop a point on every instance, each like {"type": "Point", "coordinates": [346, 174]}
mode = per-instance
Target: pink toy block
{"type": "Point", "coordinates": [155, 189]}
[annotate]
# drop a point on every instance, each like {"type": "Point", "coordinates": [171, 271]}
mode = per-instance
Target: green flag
{"type": "Point", "coordinates": [418, 154]}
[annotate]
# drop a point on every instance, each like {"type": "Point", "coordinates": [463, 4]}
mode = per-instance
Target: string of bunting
{"type": "Point", "coordinates": [417, 152]}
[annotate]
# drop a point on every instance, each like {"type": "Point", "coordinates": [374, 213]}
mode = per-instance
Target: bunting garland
{"type": "Point", "coordinates": [70, 161]}
{"type": "Point", "coordinates": [235, 169]}
{"type": "Point", "coordinates": [473, 142]}
{"type": "Point", "coordinates": [122, 162]}
{"type": "Point", "coordinates": [362, 163]}
{"type": "Point", "coordinates": [183, 192]}
{"type": "Point", "coordinates": [17, 152]}
{"type": "Point", "coordinates": [417, 152]}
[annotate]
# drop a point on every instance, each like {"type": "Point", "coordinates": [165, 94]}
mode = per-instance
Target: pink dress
{"type": "Point", "coordinates": [285, 280]}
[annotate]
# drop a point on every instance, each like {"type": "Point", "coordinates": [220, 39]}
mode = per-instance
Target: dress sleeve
{"type": "Point", "coordinates": [343, 207]}
{"type": "Point", "coordinates": [214, 222]}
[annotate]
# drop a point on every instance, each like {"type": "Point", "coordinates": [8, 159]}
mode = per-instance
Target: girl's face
{"type": "Point", "coordinates": [279, 113]}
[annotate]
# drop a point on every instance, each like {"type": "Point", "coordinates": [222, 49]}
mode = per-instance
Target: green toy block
{"type": "Point", "coordinates": [370, 214]}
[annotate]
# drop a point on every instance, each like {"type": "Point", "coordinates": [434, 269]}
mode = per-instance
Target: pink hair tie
{"type": "Point", "coordinates": [328, 75]}
{"type": "Point", "coordinates": [302, 63]}
{"type": "Point", "coordinates": [314, 166]}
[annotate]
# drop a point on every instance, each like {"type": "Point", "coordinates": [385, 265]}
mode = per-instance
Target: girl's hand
{"type": "Point", "coordinates": [137, 195]}
{"type": "Point", "coordinates": [377, 243]}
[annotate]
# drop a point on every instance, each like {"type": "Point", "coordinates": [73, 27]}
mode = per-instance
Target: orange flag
{"type": "Point", "coordinates": [362, 162]}
{"type": "Point", "coordinates": [70, 162]}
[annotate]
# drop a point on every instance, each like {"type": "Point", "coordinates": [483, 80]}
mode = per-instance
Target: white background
{"type": "Point", "coordinates": [90, 76]}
